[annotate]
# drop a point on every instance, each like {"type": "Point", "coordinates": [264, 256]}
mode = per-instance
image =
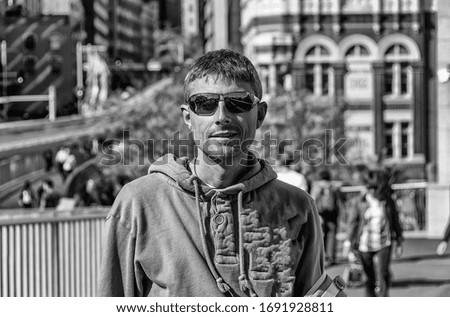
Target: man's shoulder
{"type": "Point", "coordinates": [288, 202]}
{"type": "Point", "coordinates": [144, 188]}
{"type": "Point", "coordinates": [146, 185]}
{"type": "Point", "coordinates": [284, 189]}
{"type": "Point", "coordinates": [136, 198]}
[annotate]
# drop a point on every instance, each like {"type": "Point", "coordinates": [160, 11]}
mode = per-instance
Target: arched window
{"type": "Point", "coordinates": [357, 51]}
{"type": "Point", "coordinates": [398, 73]}
{"type": "Point", "coordinates": [318, 71]}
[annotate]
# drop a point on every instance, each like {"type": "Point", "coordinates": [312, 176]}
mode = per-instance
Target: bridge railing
{"type": "Point", "coordinates": [50, 253]}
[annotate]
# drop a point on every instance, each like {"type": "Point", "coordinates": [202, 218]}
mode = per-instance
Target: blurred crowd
{"type": "Point", "coordinates": [73, 178]}
{"type": "Point", "coordinates": [369, 221]}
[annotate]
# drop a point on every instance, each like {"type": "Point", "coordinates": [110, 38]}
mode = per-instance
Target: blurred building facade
{"type": "Point", "coordinates": [376, 56]}
{"type": "Point", "coordinates": [40, 41]}
{"type": "Point", "coordinates": [170, 14]}
{"type": "Point", "coordinates": [150, 23]}
{"type": "Point", "coordinates": [125, 36]}
{"type": "Point", "coordinates": [122, 30]}
{"type": "Point", "coordinates": [438, 201]}
{"type": "Point", "coordinates": [97, 22]}
{"type": "Point", "coordinates": [220, 22]}
{"type": "Point", "coordinates": [190, 18]}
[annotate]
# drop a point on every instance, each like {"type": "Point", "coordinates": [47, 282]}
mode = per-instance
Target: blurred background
{"type": "Point", "coordinates": [75, 75]}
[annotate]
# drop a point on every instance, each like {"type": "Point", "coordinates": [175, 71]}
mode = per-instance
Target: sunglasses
{"type": "Point", "coordinates": [206, 104]}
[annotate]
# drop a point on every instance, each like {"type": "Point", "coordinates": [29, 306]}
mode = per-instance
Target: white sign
{"type": "Point", "coordinates": [358, 83]}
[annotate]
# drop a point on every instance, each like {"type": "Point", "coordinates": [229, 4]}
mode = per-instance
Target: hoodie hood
{"type": "Point", "coordinates": [178, 170]}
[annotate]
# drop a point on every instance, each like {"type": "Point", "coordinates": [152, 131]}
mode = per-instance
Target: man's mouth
{"type": "Point", "coordinates": [224, 134]}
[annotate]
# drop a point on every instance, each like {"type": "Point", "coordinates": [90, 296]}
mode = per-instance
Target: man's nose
{"type": "Point", "coordinates": [222, 114]}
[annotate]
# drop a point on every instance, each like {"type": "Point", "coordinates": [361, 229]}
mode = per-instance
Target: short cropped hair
{"type": "Point", "coordinates": [226, 64]}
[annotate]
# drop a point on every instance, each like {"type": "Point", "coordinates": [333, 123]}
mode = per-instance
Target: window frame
{"type": "Point", "coordinates": [321, 66]}
{"type": "Point", "coordinates": [398, 68]}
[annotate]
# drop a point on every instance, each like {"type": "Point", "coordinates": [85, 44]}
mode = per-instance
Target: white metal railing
{"type": "Point", "coordinates": [50, 253]}
{"type": "Point", "coordinates": [51, 98]}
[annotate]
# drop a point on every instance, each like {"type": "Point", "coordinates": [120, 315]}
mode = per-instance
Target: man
{"type": "Point", "coordinates": [220, 224]}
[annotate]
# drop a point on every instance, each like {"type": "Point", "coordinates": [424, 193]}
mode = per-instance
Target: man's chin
{"type": "Point", "coordinates": [225, 155]}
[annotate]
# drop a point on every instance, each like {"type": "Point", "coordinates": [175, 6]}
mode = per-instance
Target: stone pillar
{"type": "Point", "coordinates": [378, 106]}
{"type": "Point", "coordinates": [339, 71]}
{"type": "Point", "coordinates": [438, 194]}
{"type": "Point", "coordinates": [418, 106]}
{"type": "Point", "coordinates": [298, 75]}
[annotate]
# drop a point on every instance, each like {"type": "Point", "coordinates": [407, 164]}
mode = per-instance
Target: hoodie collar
{"type": "Point", "coordinates": [178, 170]}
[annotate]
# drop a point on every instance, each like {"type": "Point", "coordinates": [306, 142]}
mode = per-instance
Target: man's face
{"type": "Point", "coordinates": [223, 135]}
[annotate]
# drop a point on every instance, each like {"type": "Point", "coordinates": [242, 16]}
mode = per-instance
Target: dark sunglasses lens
{"type": "Point", "coordinates": [204, 106]}
{"type": "Point", "coordinates": [239, 105]}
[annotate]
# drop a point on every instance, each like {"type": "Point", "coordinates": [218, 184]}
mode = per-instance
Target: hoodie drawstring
{"type": "Point", "coordinates": [221, 284]}
{"type": "Point", "coordinates": [244, 283]}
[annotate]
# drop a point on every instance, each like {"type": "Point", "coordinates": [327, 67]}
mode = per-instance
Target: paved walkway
{"type": "Point", "coordinates": [418, 273]}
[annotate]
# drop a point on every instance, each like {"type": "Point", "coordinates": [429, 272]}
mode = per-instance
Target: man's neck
{"type": "Point", "coordinates": [218, 174]}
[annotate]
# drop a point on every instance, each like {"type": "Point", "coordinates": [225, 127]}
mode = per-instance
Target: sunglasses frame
{"type": "Point", "coordinates": [221, 97]}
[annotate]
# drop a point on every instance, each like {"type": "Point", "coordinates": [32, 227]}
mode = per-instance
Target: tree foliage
{"type": "Point", "coordinates": [149, 119]}
{"type": "Point", "coordinates": [295, 118]}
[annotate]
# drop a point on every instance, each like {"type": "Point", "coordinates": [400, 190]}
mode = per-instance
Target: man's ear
{"type": "Point", "coordinates": [262, 110]}
{"type": "Point", "coordinates": [186, 114]}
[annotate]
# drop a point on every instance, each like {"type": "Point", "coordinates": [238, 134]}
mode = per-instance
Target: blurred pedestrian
{"type": "Point", "coordinates": [70, 162]}
{"type": "Point", "coordinates": [106, 187]}
{"type": "Point", "coordinates": [326, 196]}
{"type": "Point", "coordinates": [89, 194]}
{"type": "Point", "coordinates": [287, 174]}
{"type": "Point", "coordinates": [442, 247]}
{"type": "Point", "coordinates": [48, 159]}
{"type": "Point", "coordinates": [50, 198]}
{"type": "Point", "coordinates": [60, 158]}
{"type": "Point", "coordinates": [27, 198]}
{"type": "Point", "coordinates": [374, 230]}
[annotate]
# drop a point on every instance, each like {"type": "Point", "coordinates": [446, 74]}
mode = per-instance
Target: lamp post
{"type": "Point", "coordinates": [4, 62]}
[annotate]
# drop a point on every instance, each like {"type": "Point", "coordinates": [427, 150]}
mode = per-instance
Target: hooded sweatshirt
{"type": "Point", "coordinates": [167, 235]}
